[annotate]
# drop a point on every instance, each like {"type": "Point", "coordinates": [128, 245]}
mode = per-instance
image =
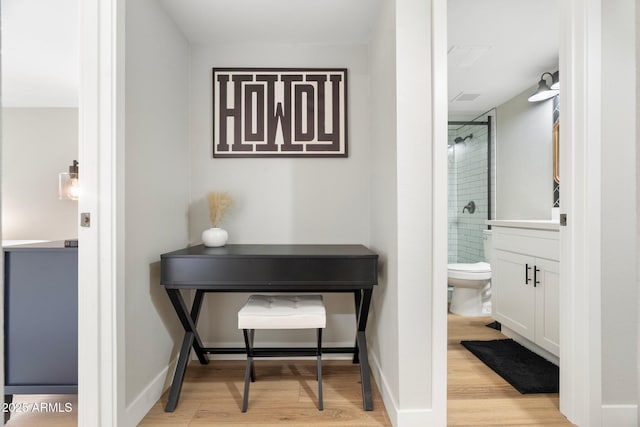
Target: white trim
{"type": "Point", "coordinates": [580, 314]}
{"type": "Point", "coordinates": [439, 110]}
{"type": "Point", "coordinates": [385, 390]}
{"type": "Point", "coordinates": [151, 394]}
{"type": "Point", "coordinates": [416, 417]}
{"type": "Point", "coordinates": [620, 415]}
{"type": "Point", "coordinates": [398, 417]}
{"type": "Point", "coordinates": [100, 390]}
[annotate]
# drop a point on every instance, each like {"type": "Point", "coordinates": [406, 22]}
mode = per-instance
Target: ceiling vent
{"type": "Point", "coordinates": [466, 56]}
{"type": "Point", "coordinates": [465, 97]}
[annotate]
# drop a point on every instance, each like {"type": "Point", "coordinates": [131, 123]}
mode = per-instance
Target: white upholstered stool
{"type": "Point", "coordinates": [281, 312]}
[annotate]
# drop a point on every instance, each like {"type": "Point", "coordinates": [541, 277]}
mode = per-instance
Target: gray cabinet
{"type": "Point", "coordinates": [41, 319]}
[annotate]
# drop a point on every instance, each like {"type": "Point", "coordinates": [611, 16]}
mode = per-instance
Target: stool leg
{"type": "Point", "coordinates": [252, 333]}
{"type": "Point", "coordinates": [247, 376]}
{"type": "Point", "coordinates": [319, 371]}
{"type": "Point", "coordinates": [248, 370]}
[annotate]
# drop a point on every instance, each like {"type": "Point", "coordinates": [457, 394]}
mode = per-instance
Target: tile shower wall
{"type": "Point", "coordinates": [452, 200]}
{"type": "Point", "coordinates": [468, 182]}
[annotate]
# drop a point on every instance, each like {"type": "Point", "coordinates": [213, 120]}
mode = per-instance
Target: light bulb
{"type": "Point", "coordinates": [73, 191]}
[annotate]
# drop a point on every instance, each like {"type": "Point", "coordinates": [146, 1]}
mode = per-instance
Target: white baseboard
{"type": "Point", "coordinates": [141, 405]}
{"type": "Point", "coordinates": [385, 391]}
{"type": "Point", "coordinates": [398, 417]}
{"type": "Point", "coordinates": [620, 415]}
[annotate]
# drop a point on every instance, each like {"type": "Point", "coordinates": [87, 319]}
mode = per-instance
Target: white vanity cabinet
{"type": "Point", "coordinates": [525, 287]}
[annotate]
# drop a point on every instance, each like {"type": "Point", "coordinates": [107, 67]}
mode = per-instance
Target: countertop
{"type": "Point", "coordinates": [536, 224]}
{"type": "Point", "coordinates": [6, 243]}
{"type": "Point", "coordinates": [25, 245]}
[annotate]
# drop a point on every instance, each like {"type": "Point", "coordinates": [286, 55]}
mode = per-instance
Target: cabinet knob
{"type": "Point", "coordinates": [527, 279]}
{"type": "Point", "coordinates": [536, 270]}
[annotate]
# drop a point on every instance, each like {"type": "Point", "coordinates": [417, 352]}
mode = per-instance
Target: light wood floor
{"type": "Point", "coordinates": [285, 393]}
{"type": "Point", "coordinates": [477, 396]}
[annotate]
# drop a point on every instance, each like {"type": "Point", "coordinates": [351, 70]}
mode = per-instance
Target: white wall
{"type": "Point", "coordinates": [383, 323]}
{"type": "Point", "coordinates": [416, 215]}
{"type": "Point", "coordinates": [400, 337]}
{"type": "Point", "coordinates": [319, 200]}
{"type": "Point", "coordinates": [619, 214]}
{"type": "Point", "coordinates": [524, 140]}
{"type": "Point", "coordinates": [637, 80]}
{"type": "Point", "coordinates": [157, 196]}
{"type": "Point", "coordinates": [37, 144]}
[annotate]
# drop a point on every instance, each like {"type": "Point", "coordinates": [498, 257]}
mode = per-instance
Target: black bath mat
{"type": "Point", "coordinates": [523, 369]}
{"type": "Point", "coordinates": [494, 325]}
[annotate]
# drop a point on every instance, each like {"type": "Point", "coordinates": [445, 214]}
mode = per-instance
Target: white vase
{"type": "Point", "coordinates": [214, 237]}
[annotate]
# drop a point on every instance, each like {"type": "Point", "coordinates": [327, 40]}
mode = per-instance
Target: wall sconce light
{"type": "Point", "coordinates": [545, 92]}
{"type": "Point", "coordinates": [68, 185]}
{"type": "Point", "coordinates": [555, 80]}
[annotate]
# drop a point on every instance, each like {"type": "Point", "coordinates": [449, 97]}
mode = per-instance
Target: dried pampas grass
{"type": "Point", "coordinates": [219, 203]}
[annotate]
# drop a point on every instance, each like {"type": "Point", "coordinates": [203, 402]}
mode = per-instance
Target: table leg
{"type": "Point", "coordinates": [361, 339]}
{"type": "Point", "coordinates": [365, 378]}
{"type": "Point", "coordinates": [357, 299]}
{"type": "Point", "coordinates": [195, 314]}
{"type": "Point", "coordinates": [191, 339]}
{"type": "Point", "coordinates": [178, 376]}
{"type": "Point", "coordinates": [189, 320]}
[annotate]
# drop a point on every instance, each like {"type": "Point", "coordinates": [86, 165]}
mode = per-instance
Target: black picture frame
{"type": "Point", "coordinates": [279, 112]}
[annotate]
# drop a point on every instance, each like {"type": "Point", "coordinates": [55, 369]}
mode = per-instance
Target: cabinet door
{"type": "Point", "coordinates": [41, 317]}
{"type": "Point", "coordinates": [513, 299]}
{"type": "Point", "coordinates": [548, 305]}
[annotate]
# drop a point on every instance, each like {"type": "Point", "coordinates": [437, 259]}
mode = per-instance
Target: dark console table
{"type": "Point", "coordinates": [268, 268]}
{"type": "Point", "coordinates": [40, 319]}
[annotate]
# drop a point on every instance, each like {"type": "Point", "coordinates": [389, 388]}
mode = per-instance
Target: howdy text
{"type": "Point", "coordinates": [267, 113]}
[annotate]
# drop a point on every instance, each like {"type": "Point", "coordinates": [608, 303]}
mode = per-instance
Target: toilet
{"type": "Point", "coordinates": [471, 284]}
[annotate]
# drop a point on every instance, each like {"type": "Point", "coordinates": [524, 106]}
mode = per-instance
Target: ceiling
{"type": "Point", "coordinates": [274, 21]}
{"type": "Point", "coordinates": [498, 48]}
{"type": "Point", "coordinates": [39, 53]}
{"type": "Point", "coordinates": [516, 41]}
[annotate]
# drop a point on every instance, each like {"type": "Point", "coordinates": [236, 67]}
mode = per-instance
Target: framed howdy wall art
{"type": "Point", "coordinates": [273, 112]}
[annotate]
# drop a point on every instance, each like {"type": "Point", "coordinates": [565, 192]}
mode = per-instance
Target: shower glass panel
{"type": "Point", "coordinates": [469, 181]}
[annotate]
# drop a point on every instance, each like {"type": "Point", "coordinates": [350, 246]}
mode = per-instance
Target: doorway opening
{"type": "Point", "coordinates": [490, 78]}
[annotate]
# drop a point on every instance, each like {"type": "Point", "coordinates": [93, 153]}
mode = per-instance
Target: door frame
{"type": "Point", "coordinates": [101, 390]}
{"type": "Point", "coordinates": [580, 250]}
{"type": "Point", "coordinates": [580, 317]}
